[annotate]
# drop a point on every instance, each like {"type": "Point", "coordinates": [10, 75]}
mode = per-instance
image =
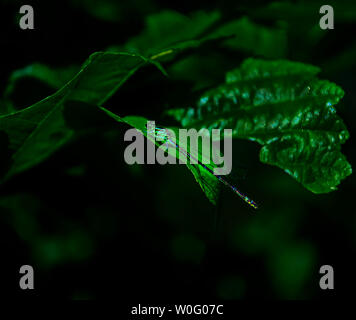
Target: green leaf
{"type": "Point", "coordinates": [285, 108]}
{"type": "Point", "coordinates": [169, 32]}
{"type": "Point", "coordinates": [53, 77]}
{"type": "Point", "coordinates": [205, 67]}
{"type": "Point", "coordinates": [208, 182]}
{"type": "Point", "coordinates": [37, 78]}
{"type": "Point", "coordinates": [36, 132]}
{"type": "Point", "coordinates": [248, 36]}
{"type": "Point", "coordinates": [169, 29]}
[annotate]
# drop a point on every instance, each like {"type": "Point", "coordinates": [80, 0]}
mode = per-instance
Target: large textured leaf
{"type": "Point", "coordinates": [36, 132]}
{"type": "Point", "coordinates": [284, 107]}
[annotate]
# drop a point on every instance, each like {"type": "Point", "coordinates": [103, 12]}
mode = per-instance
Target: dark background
{"type": "Point", "coordinates": [94, 227]}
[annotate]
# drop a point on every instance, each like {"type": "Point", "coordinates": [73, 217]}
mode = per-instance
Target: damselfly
{"type": "Point", "coordinates": [164, 135]}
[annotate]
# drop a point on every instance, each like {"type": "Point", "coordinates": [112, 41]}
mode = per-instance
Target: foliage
{"type": "Point", "coordinates": [280, 104]}
{"type": "Point", "coordinates": [69, 202]}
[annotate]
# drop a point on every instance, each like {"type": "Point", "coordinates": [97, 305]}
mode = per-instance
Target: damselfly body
{"type": "Point", "coordinates": [163, 135]}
